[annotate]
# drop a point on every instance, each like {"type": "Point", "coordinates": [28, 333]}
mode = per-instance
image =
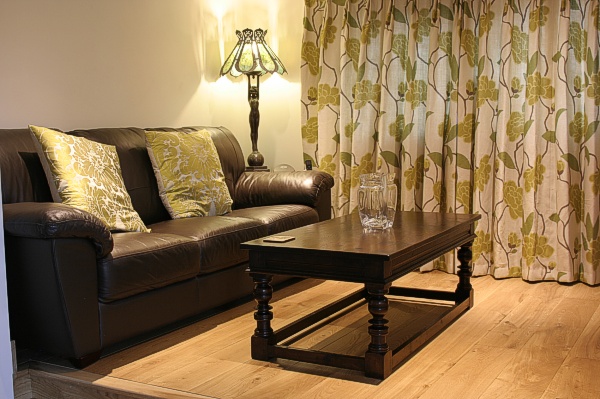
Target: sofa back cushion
{"type": "Point", "coordinates": [23, 178]}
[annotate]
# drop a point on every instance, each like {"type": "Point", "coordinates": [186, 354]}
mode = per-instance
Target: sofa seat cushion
{"type": "Point", "coordinates": [217, 237]}
{"type": "Point", "coordinates": [279, 218]}
{"type": "Point", "coordinates": [142, 262]}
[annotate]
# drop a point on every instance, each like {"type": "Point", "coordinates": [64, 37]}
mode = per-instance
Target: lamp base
{"type": "Point", "coordinates": [257, 169]}
{"type": "Point", "coordinates": [256, 159]}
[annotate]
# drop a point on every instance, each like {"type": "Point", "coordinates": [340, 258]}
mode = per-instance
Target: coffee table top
{"type": "Point", "coordinates": [339, 249]}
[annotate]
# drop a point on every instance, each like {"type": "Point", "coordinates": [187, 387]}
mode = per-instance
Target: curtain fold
{"type": "Point", "coordinates": [489, 107]}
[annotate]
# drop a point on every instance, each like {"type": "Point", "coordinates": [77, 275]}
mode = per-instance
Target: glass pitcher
{"type": "Point", "coordinates": [377, 200]}
{"type": "Point", "coordinates": [372, 204]}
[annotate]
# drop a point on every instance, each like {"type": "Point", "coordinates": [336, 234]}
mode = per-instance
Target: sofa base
{"type": "Point", "coordinates": [204, 295]}
{"type": "Point", "coordinates": [131, 317]}
{"type": "Point", "coordinates": [86, 360]}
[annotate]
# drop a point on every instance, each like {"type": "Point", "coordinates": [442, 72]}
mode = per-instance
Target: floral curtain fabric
{"type": "Point", "coordinates": [489, 107]}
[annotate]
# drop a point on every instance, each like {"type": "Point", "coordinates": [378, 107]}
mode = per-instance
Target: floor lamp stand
{"type": "Point", "coordinates": [255, 159]}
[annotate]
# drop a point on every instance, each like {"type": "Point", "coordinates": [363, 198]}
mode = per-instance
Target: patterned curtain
{"type": "Point", "coordinates": [490, 107]}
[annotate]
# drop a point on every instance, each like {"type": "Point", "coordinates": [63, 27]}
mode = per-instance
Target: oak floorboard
{"type": "Point", "coordinates": [350, 383]}
{"type": "Point", "coordinates": [429, 280]}
{"type": "Point", "coordinates": [240, 379]}
{"type": "Point", "coordinates": [147, 369]}
{"type": "Point", "coordinates": [581, 291]}
{"type": "Point", "coordinates": [577, 378]}
{"type": "Point", "coordinates": [537, 362]}
{"type": "Point", "coordinates": [472, 374]}
{"type": "Point", "coordinates": [22, 385]}
{"type": "Point", "coordinates": [578, 375]}
{"type": "Point", "coordinates": [588, 344]}
{"type": "Point", "coordinates": [524, 319]}
{"type": "Point", "coordinates": [53, 382]}
{"type": "Point", "coordinates": [193, 374]}
{"type": "Point", "coordinates": [288, 384]}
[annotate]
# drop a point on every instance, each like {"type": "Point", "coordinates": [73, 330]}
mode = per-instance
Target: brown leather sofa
{"type": "Point", "coordinates": [76, 289]}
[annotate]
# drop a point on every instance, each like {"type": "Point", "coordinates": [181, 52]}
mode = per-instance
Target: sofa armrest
{"type": "Point", "coordinates": [312, 188]}
{"type": "Point", "coordinates": [55, 220]}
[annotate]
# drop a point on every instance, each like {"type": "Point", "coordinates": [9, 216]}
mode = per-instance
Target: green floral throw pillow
{"type": "Point", "coordinates": [87, 175]}
{"type": "Point", "coordinates": [189, 174]}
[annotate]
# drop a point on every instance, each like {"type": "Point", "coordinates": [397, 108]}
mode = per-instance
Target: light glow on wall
{"type": "Point", "coordinates": [219, 8]}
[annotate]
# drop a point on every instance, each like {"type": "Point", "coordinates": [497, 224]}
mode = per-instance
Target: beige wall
{"type": "Point", "coordinates": [89, 63]}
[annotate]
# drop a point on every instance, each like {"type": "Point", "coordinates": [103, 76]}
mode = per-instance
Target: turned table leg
{"type": "Point", "coordinates": [464, 290]}
{"type": "Point", "coordinates": [263, 334]}
{"type": "Point", "coordinates": [378, 359]}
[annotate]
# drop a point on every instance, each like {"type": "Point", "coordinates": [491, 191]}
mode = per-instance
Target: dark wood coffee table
{"type": "Point", "coordinates": [338, 249]}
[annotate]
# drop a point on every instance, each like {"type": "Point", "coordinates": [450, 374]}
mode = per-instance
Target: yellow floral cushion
{"type": "Point", "coordinates": [87, 175]}
{"type": "Point", "coordinates": [189, 174]}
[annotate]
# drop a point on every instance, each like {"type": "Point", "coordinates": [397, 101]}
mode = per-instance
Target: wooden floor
{"type": "Point", "coordinates": [520, 340]}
